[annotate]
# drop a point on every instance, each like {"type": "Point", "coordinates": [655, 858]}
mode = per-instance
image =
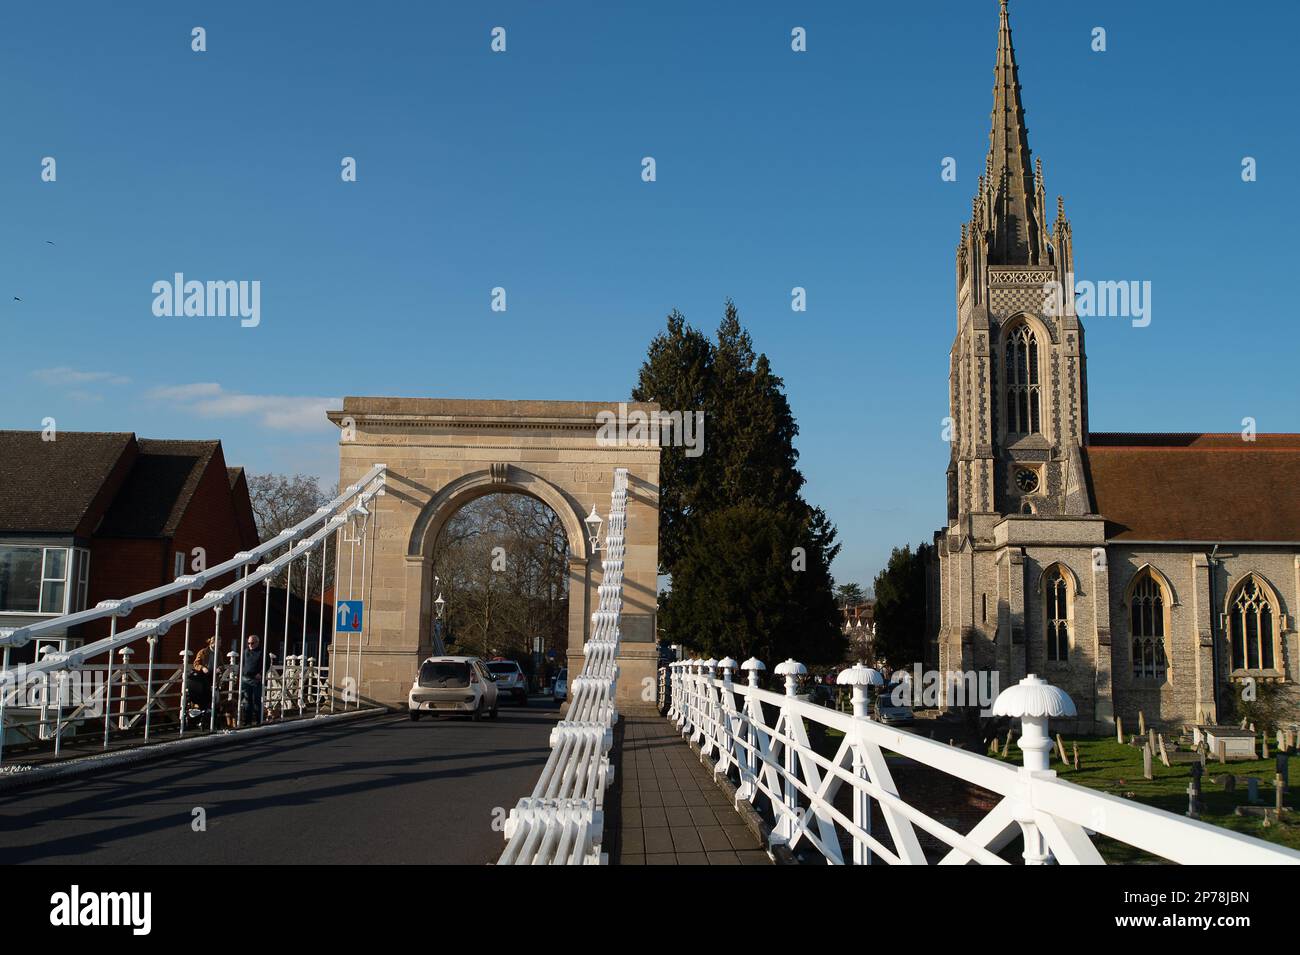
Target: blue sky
{"type": "Point", "coordinates": [522, 170]}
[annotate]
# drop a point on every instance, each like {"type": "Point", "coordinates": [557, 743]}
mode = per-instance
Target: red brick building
{"type": "Point", "coordinates": [96, 516]}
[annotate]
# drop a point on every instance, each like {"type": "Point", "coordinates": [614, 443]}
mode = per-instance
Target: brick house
{"type": "Point", "coordinates": [95, 516]}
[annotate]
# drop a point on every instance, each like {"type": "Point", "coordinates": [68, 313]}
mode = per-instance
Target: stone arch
{"type": "Point", "coordinates": [443, 453]}
{"type": "Point", "coordinates": [498, 479]}
{"type": "Point", "coordinates": [1159, 578]}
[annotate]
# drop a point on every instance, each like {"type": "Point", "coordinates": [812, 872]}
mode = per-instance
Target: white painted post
{"type": "Point", "coordinates": [152, 640]}
{"type": "Point", "coordinates": [125, 653]}
{"type": "Point", "coordinates": [791, 669]}
{"type": "Point", "coordinates": [1033, 701]}
{"type": "Point", "coordinates": [860, 677]}
{"type": "Point", "coordinates": [710, 707]}
{"type": "Point", "coordinates": [748, 785]}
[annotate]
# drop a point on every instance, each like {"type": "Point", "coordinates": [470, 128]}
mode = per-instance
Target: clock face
{"type": "Point", "coordinates": [1027, 480]}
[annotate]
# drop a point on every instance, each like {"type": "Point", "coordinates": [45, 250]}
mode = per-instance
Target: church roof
{"type": "Point", "coordinates": [1196, 487]}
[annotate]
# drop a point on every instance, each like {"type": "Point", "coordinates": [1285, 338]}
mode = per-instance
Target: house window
{"type": "Point", "coordinates": [33, 579]}
{"type": "Point", "coordinates": [1252, 626]}
{"type": "Point", "coordinates": [1022, 379]}
{"type": "Point", "coordinates": [80, 579]}
{"type": "Point", "coordinates": [1056, 605]}
{"type": "Point", "coordinates": [1147, 620]}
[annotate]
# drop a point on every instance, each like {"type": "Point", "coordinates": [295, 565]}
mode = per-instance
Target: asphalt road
{"type": "Point", "coordinates": [383, 790]}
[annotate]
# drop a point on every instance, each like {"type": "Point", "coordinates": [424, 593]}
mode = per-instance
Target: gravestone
{"type": "Point", "coordinates": [1076, 755]}
{"type": "Point", "coordinates": [1283, 770]}
{"type": "Point", "coordinates": [1119, 729]}
{"type": "Point", "coordinates": [1252, 790]}
{"type": "Point", "coordinates": [1194, 792]}
{"type": "Point", "coordinates": [1147, 771]}
{"type": "Point", "coordinates": [1142, 723]}
{"type": "Point", "coordinates": [1060, 748]}
{"type": "Point", "coordinates": [1164, 754]}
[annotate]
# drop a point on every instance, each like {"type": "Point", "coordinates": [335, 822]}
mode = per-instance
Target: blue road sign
{"type": "Point", "coordinates": [349, 616]}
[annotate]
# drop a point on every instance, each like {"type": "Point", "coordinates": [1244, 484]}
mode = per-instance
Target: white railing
{"type": "Point", "coordinates": [761, 739]}
{"type": "Point", "coordinates": [561, 822]}
{"type": "Point", "coordinates": [39, 701]}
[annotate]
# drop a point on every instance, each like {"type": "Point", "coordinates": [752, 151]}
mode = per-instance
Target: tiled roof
{"type": "Point", "coordinates": [1196, 487]}
{"type": "Point", "coordinates": [54, 487]}
{"type": "Point", "coordinates": [156, 493]}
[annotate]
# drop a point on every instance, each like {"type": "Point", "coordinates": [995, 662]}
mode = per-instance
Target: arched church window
{"type": "Point", "coordinates": [1147, 620]}
{"type": "Point", "coordinates": [1056, 614]}
{"type": "Point", "coordinates": [1252, 626]}
{"type": "Point", "coordinates": [1022, 377]}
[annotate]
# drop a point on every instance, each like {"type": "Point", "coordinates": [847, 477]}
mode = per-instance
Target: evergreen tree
{"type": "Point", "coordinates": [736, 593]}
{"type": "Point", "coordinates": [735, 587]}
{"type": "Point", "coordinates": [900, 607]}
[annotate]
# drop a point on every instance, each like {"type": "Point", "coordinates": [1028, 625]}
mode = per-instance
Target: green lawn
{"type": "Point", "coordinates": [1116, 768]}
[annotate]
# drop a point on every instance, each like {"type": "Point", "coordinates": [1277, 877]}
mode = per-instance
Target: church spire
{"type": "Point", "coordinates": [1017, 228]}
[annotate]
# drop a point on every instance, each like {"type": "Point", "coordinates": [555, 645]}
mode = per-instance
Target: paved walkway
{"type": "Point", "coordinates": [666, 809]}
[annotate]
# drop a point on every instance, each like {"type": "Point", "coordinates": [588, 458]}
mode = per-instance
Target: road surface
{"type": "Point", "coordinates": [382, 790]}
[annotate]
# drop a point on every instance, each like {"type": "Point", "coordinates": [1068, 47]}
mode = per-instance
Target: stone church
{"type": "Point", "coordinates": [1139, 572]}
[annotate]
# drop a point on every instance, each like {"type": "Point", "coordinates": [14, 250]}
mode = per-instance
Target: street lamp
{"type": "Point", "coordinates": [593, 523]}
{"type": "Point", "coordinates": [439, 604]}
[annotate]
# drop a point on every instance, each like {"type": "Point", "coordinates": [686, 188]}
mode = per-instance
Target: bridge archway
{"type": "Point", "coordinates": [440, 455]}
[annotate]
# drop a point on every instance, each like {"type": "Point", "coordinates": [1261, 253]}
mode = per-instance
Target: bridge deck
{"type": "Point", "coordinates": [668, 810]}
{"type": "Point", "coordinates": [382, 790]}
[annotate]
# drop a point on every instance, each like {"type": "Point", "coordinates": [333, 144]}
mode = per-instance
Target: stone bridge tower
{"type": "Point", "coordinates": [442, 454]}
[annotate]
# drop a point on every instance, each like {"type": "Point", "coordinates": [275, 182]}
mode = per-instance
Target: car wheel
{"type": "Point", "coordinates": [478, 711]}
{"type": "Point", "coordinates": [522, 697]}
{"type": "Point", "coordinates": [493, 714]}
{"type": "Point", "coordinates": [415, 714]}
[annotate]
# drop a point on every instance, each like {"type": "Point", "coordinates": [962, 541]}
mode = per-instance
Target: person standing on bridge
{"type": "Point", "coordinates": [250, 681]}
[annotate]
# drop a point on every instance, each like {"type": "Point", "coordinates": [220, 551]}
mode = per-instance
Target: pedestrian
{"type": "Point", "coordinates": [250, 681]}
{"type": "Point", "coordinates": [200, 687]}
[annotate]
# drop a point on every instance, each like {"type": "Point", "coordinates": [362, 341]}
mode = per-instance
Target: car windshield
{"type": "Point", "coordinates": [503, 666]}
{"type": "Point", "coordinates": [444, 673]}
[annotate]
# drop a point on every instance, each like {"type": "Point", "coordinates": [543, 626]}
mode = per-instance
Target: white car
{"type": "Point", "coordinates": [561, 691]}
{"type": "Point", "coordinates": [453, 685]}
{"type": "Point", "coordinates": [510, 679]}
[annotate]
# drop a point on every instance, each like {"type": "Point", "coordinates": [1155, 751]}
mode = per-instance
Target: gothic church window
{"type": "Point", "coordinates": [1056, 614]}
{"type": "Point", "coordinates": [1147, 620]}
{"type": "Point", "coordinates": [1023, 386]}
{"type": "Point", "coordinates": [1252, 626]}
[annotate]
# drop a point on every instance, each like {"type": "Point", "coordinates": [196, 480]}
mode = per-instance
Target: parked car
{"type": "Point", "coordinates": [510, 679]}
{"type": "Point", "coordinates": [561, 691]}
{"type": "Point", "coordinates": [453, 685]}
{"type": "Point", "coordinates": [891, 713]}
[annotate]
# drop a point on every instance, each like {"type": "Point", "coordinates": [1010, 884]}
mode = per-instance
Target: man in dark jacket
{"type": "Point", "coordinates": [250, 681]}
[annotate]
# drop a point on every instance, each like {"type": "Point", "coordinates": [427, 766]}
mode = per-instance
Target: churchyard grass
{"type": "Point", "coordinates": [1116, 768]}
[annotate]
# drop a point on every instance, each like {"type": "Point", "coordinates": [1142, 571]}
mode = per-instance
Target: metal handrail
{"type": "Point", "coordinates": [777, 767]}
{"type": "Point", "coordinates": [562, 821]}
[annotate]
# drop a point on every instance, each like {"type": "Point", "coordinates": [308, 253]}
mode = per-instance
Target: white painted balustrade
{"type": "Point", "coordinates": [562, 821]}
{"type": "Point", "coordinates": [760, 739]}
{"type": "Point", "coordinates": [62, 693]}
